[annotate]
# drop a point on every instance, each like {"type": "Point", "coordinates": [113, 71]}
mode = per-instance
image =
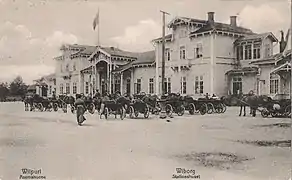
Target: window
{"type": "Point", "coordinates": [199, 85]}
{"type": "Point", "coordinates": [167, 85]}
{"type": "Point", "coordinates": [237, 85]}
{"type": "Point", "coordinates": [199, 50]}
{"type": "Point", "coordinates": [274, 84]}
{"type": "Point", "coordinates": [74, 67]}
{"type": "Point", "coordinates": [74, 88]}
{"type": "Point", "coordinates": [61, 88]}
{"type": "Point", "coordinates": [257, 51]}
{"type": "Point", "coordinates": [247, 51]}
{"type": "Point", "coordinates": [128, 88]}
{"type": "Point", "coordinates": [167, 54]}
{"type": "Point", "coordinates": [267, 50]}
{"type": "Point", "coordinates": [117, 84]}
{"type": "Point", "coordinates": [86, 87]}
{"type": "Point", "coordinates": [239, 52]}
{"type": "Point", "coordinates": [138, 86]}
{"type": "Point", "coordinates": [182, 52]}
{"type": "Point", "coordinates": [183, 85]}
{"type": "Point", "coordinates": [50, 89]}
{"type": "Point", "coordinates": [151, 86]}
{"type": "Point", "coordinates": [67, 88]}
{"type": "Point", "coordinates": [67, 67]}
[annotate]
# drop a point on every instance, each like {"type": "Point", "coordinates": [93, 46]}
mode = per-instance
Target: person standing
{"type": "Point", "coordinates": [80, 105]}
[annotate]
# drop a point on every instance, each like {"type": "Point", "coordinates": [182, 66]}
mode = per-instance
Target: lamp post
{"type": "Point", "coordinates": [163, 88]}
{"type": "Point", "coordinates": [290, 64]}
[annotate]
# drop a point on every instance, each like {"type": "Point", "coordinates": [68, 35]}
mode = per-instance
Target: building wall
{"type": "Point", "coordinates": [144, 73]}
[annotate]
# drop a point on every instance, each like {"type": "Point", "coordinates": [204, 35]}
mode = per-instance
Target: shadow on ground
{"type": "Point", "coordinates": [285, 143]}
{"type": "Point", "coordinates": [279, 125]}
{"type": "Point", "coordinates": [217, 160]}
{"type": "Point", "coordinates": [20, 142]}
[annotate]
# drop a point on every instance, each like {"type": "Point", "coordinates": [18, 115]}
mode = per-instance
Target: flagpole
{"type": "Point", "coordinates": [98, 40]}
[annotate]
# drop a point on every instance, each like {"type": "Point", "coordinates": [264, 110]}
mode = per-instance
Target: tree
{"type": "Point", "coordinates": [4, 91]}
{"type": "Point", "coordinates": [18, 87]}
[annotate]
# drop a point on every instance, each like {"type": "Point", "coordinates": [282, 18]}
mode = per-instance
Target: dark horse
{"type": "Point", "coordinates": [251, 100]}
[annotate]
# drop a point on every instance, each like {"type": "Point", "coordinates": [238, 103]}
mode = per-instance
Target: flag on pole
{"type": "Point", "coordinates": [96, 20]}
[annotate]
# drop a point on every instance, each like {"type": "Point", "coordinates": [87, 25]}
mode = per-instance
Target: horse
{"type": "Point", "coordinates": [253, 101]}
{"type": "Point", "coordinates": [28, 102]}
{"type": "Point", "coordinates": [151, 100]}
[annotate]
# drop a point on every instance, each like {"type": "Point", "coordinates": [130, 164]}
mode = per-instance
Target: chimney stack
{"type": "Point", "coordinates": [233, 21]}
{"type": "Point", "coordinates": [211, 17]}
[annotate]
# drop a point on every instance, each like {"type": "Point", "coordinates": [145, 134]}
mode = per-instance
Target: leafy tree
{"type": "Point", "coordinates": [4, 91]}
{"type": "Point", "coordinates": [18, 87]}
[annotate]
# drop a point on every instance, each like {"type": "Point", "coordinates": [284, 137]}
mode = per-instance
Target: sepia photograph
{"type": "Point", "coordinates": [145, 89]}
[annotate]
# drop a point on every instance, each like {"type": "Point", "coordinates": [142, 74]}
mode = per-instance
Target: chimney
{"type": "Point", "coordinates": [233, 21]}
{"type": "Point", "coordinates": [211, 17]}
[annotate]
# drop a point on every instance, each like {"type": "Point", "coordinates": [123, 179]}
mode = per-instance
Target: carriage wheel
{"type": "Point", "coordinates": [55, 107]}
{"type": "Point", "coordinates": [203, 109]}
{"type": "Point", "coordinates": [192, 109]}
{"type": "Point", "coordinates": [106, 112]}
{"type": "Point", "coordinates": [265, 113]}
{"type": "Point", "coordinates": [132, 111]}
{"type": "Point", "coordinates": [168, 110]}
{"type": "Point", "coordinates": [210, 108]}
{"type": "Point", "coordinates": [136, 113]}
{"type": "Point", "coordinates": [224, 107]}
{"type": "Point", "coordinates": [288, 111]}
{"type": "Point", "coordinates": [219, 108]}
{"type": "Point", "coordinates": [40, 107]}
{"type": "Point", "coordinates": [25, 107]}
{"type": "Point", "coordinates": [91, 108]}
{"type": "Point", "coordinates": [64, 107]}
{"type": "Point", "coordinates": [72, 109]}
{"type": "Point", "coordinates": [122, 113]}
{"type": "Point", "coordinates": [33, 107]}
{"type": "Point", "coordinates": [181, 110]}
{"type": "Point", "coordinates": [147, 112]}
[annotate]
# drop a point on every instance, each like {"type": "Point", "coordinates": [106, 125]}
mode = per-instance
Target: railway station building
{"type": "Point", "coordinates": [202, 56]}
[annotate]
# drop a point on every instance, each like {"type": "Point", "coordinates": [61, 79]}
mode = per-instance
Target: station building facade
{"type": "Point", "coordinates": [202, 56]}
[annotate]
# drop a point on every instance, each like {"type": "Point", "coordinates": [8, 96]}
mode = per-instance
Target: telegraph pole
{"type": "Point", "coordinates": [291, 57]}
{"type": "Point", "coordinates": [163, 88]}
{"type": "Point", "coordinates": [163, 52]}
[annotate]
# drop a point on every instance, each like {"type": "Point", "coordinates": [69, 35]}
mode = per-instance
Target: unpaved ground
{"type": "Point", "coordinates": [219, 147]}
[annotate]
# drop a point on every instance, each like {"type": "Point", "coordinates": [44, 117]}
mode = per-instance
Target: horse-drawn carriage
{"type": "Point", "coordinates": [194, 106]}
{"type": "Point", "coordinates": [114, 105]}
{"type": "Point", "coordinates": [276, 108]}
{"type": "Point", "coordinates": [174, 103]}
{"type": "Point", "coordinates": [34, 102]}
{"type": "Point", "coordinates": [213, 105]}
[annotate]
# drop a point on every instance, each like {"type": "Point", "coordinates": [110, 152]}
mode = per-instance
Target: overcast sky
{"type": "Point", "coordinates": [31, 31]}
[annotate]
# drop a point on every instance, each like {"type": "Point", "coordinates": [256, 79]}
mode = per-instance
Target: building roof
{"type": "Point", "coordinates": [285, 67]}
{"type": "Point", "coordinates": [222, 27]}
{"type": "Point", "coordinates": [89, 50]}
{"type": "Point", "coordinates": [243, 70]}
{"type": "Point", "coordinates": [145, 58]}
{"type": "Point", "coordinates": [205, 26]}
{"type": "Point", "coordinates": [272, 59]}
{"type": "Point", "coordinates": [169, 36]}
{"type": "Point", "coordinates": [257, 36]}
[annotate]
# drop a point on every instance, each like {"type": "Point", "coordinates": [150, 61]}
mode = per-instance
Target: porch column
{"type": "Point", "coordinates": [81, 83]}
{"type": "Point", "coordinates": [97, 81]}
{"type": "Point", "coordinates": [107, 80]}
{"type": "Point", "coordinates": [110, 77]}
{"type": "Point", "coordinates": [121, 87]}
{"type": "Point", "coordinates": [132, 82]}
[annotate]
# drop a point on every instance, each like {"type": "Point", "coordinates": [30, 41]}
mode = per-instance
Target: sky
{"type": "Point", "coordinates": [32, 31]}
